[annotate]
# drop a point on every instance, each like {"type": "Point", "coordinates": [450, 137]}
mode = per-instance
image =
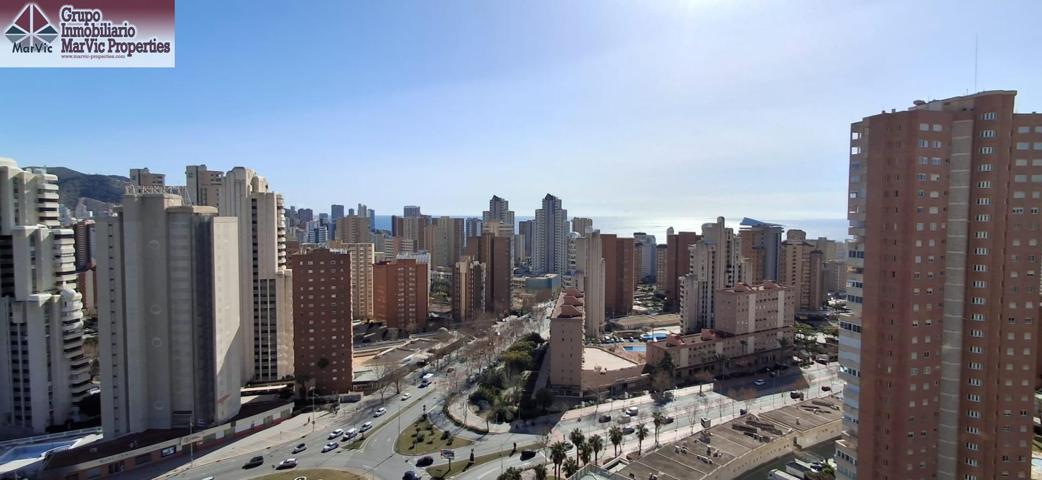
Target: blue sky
{"type": "Point", "coordinates": [671, 108]}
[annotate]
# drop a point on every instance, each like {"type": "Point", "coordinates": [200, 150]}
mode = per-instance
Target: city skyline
{"type": "Point", "coordinates": [546, 86]}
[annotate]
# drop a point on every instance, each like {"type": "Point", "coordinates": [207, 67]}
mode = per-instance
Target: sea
{"type": "Point", "coordinates": [832, 228]}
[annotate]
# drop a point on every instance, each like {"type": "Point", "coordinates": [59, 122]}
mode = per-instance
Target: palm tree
{"type": "Point", "coordinates": [657, 419]}
{"type": "Point", "coordinates": [615, 435]}
{"type": "Point", "coordinates": [570, 467]}
{"type": "Point", "coordinates": [511, 473]}
{"type": "Point", "coordinates": [596, 443]}
{"type": "Point", "coordinates": [642, 433]}
{"type": "Point", "coordinates": [540, 471]}
{"type": "Point", "coordinates": [577, 439]}
{"type": "Point", "coordinates": [558, 452]}
{"type": "Point", "coordinates": [584, 453]}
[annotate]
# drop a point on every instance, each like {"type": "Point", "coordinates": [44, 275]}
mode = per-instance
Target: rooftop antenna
{"type": "Point", "coordinates": [976, 61]}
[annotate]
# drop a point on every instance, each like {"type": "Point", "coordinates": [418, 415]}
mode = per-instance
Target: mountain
{"type": "Point", "coordinates": [72, 185]}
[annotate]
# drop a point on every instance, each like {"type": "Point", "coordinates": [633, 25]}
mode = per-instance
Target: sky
{"type": "Point", "coordinates": [621, 108]}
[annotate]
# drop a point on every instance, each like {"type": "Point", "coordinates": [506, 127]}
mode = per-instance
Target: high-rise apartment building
{"type": "Point", "coordinates": [170, 337]}
{"type": "Point", "coordinates": [43, 370]}
{"type": "Point", "coordinates": [761, 245]}
{"type": "Point", "coordinates": [494, 252]}
{"type": "Point", "coordinates": [499, 211]}
{"type": "Point", "coordinates": [715, 264]}
{"type": "Point", "coordinates": [203, 186]}
{"type": "Point", "coordinates": [550, 247]}
{"type": "Point", "coordinates": [141, 177]}
{"type": "Point", "coordinates": [417, 228]}
{"type": "Point", "coordinates": [84, 235]}
{"type": "Point", "coordinates": [267, 301]}
{"type": "Point", "coordinates": [677, 264]}
{"type": "Point", "coordinates": [803, 270]}
{"type": "Point", "coordinates": [526, 229]}
{"type": "Point", "coordinates": [471, 228]}
{"type": "Point", "coordinates": [660, 266]}
{"type": "Point", "coordinates": [400, 294]}
{"type": "Point", "coordinates": [410, 211]}
{"type": "Point", "coordinates": [939, 356]}
{"type": "Point", "coordinates": [322, 332]}
{"type": "Point", "coordinates": [644, 245]}
{"type": "Point", "coordinates": [582, 225]}
{"type": "Point", "coordinates": [448, 241]}
{"type": "Point", "coordinates": [618, 275]}
{"type": "Point", "coordinates": [353, 229]}
{"type": "Point", "coordinates": [468, 290]}
{"type": "Point", "coordinates": [590, 278]}
{"type": "Point", "coordinates": [363, 256]}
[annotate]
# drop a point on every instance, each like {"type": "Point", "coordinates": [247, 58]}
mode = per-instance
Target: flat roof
{"type": "Point", "coordinates": [596, 358]}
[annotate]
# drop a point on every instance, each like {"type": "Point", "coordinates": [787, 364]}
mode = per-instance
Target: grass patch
{"type": "Point", "coordinates": [422, 438]}
{"type": "Point", "coordinates": [461, 465]}
{"type": "Point", "coordinates": [324, 474]}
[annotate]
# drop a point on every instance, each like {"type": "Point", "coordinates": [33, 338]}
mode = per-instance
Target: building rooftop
{"type": "Point", "coordinates": [602, 360]}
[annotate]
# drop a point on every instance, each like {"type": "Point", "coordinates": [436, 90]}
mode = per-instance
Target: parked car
{"type": "Point", "coordinates": [604, 418]}
{"type": "Point", "coordinates": [425, 383]}
{"type": "Point", "coordinates": [365, 427]}
{"type": "Point", "coordinates": [796, 394]}
{"type": "Point", "coordinates": [300, 448]}
{"type": "Point", "coordinates": [350, 433]}
{"type": "Point", "coordinates": [627, 430]}
{"type": "Point", "coordinates": [411, 475]}
{"type": "Point", "coordinates": [668, 420]}
{"type": "Point", "coordinates": [632, 411]}
{"type": "Point", "coordinates": [424, 461]}
{"type": "Point", "coordinates": [254, 462]}
{"type": "Point", "coordinates": [826, 388]}
{"type": "Point", "coordinates": [330, 446]}
{"type": "Point", "coordinates": [527, 455]}
{"type": "Point", "coordinates": [405, 396]}
{"type": "Point", "coordinates": [380, 411]}
{"type": "Point", "coordinates": [287, 463]}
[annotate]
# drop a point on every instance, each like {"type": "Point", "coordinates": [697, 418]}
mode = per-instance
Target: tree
{"type": "Point", "coordinates": [545, 399]}
{"type": "Point", "coordinates": [642, 433]}
{"type": "Point", "coordinates": [510, 473]}
{"type": "Point", "coordinates": [662, 377]}
{"type": "Point", "coordinates": [584, 453]}
{"type": "Point", "coordinates": [517, 361]}
{"type": "Point", "coordinates": [615, 435]}
{"type": "Point", "coordinates": [540, 471]}
{"type": "Point", "coordinates": [596, 443]}
{"type": "Point", "coordinates": [558, 452]}
{"type": "Point", "coordinates": [657, 420]}
{"type": "Point", "coordinates": [702, 378]}
{"type": "Point", "coordinates": [577, 439]}
{"type": "Point", "coordinates": [570, 467]}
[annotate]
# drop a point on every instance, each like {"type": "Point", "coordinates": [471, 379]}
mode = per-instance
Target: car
{"type": "Point", "coordinates": [350, 433]}
{"type": "Point", "coordinates": [826, 388]}
{"type": "Point", "coordinates": [411, 475]}
{"type": "Point", "coordinates": [254, 462]}
{"type": "Point", "coordinates": [300, 448]}
{"type": "Point", "coordinates": [425, 383]}
{"type": "Point", "coordinates": [330, 446]}
{"type": "Point", "coordinates": [742, 411]}
{"type": "Point", "coordinates": [287, 463]}
{"type": "Point", "coordinates": [796, 394]}
{"type": "Point", "coordinates": [668, 420]}
{"type": "Point", "coordinates": [335, 433]}
{"type": "Point", "coordinates": [527, 455]}
{"type": "Point", "coordinates": [406, 396]}
{"type": "Point", "coordinates": [604, 418]}
{"type": "Point", "coordinates": [365, 427]}
{"type": "Point", "coordinates": [424, 461]}
{"type": "Point", "coordinates": [760, 382]}
{"type": "Point", "coordinates": [627, 430]}
{"type": "Point", "coordinates": [632, 411]}
{"type": "Point", "coordinates": [380, 411]}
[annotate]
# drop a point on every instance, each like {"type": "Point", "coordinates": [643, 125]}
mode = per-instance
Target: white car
{"type": "Point", "coordinates": [330, 446]}
{"type": "Point", "coordinates": [405, 396]}
{"type": "Point", "coordinates": [299, 448]}
{"type": "Point", "coordinates": [632, 411]}
{"type": "Point", "coordinates": [365, 427]}
{"type": "Point", "coordinates": [287, 463]}
{"type": "Point", "coordinates": [335, 433]}
{"type": "Point", "coordinates": [350, 433]}
{"type": "Point", "coordinates": [380, 411]}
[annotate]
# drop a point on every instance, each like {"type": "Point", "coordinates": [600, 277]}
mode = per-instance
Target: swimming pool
{"type": "Point", "coordinates": [657, 335]}
{"type": "Point", "coordinates": [635, 348]}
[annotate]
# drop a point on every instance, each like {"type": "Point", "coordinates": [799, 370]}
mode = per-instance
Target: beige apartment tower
{"type": "Point", "coordinates": [267, 304]}
{"type": "Point", "coordinates": [170, 336]}
{"type": "Point", "coordinates": [203, 186]}
{"type": "Point", "coordinates": [939, 356]}
{"type": "Point", "coordinates": [43, 370]}
{"type": "Point", "coordinates": [590, 271]}
{"type": "Point", "coordinates": [803, 270]}
{"type": "Point", "coordinates": [362, 260]}
{"type": "Point", "coordinates": [715, 264]}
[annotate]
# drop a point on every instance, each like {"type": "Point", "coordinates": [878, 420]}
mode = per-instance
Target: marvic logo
{"type": "Point", "coordinates": [31, 32]}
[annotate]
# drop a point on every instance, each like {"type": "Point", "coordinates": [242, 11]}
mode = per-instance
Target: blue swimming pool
{"type": "Point", "coordinates": [635, 348]}
{"type": "Point", "coordinates": [657, 336]}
